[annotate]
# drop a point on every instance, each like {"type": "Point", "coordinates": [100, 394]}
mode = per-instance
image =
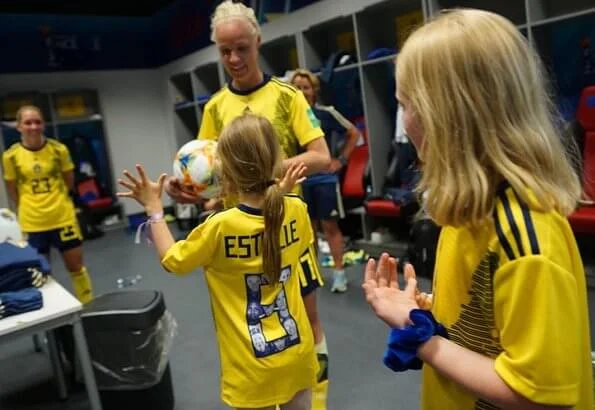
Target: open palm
{"type": "Point", "coordinates": [293, 175]}
{"type": "Point", "coordinates": [381, 287]}
{"type": "Point", "coordinates": [146, 191]}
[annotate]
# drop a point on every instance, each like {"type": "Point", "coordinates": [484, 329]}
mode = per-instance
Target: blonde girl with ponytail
{"type": "Point", "coordinates": [253, 255]}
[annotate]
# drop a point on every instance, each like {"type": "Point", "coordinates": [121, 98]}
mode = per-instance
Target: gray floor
{"type": "Point", "coordinates": [356, 341]}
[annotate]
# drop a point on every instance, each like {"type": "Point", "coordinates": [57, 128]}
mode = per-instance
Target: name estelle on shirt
{"type": "Point", "coordinates": [249, 246]}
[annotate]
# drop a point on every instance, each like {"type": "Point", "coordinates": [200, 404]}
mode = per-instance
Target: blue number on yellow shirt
{"type": "Point", "coordinates": [256, 312]}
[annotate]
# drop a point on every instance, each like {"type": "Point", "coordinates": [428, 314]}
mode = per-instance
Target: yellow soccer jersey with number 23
{"type": "Point", "coordinates": [44, 203]}
{"type": "Point", "coordinates": [265, 340]}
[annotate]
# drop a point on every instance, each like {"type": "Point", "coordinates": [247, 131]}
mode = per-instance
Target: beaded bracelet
{"type": "Point", "coordinates": [401, 353]}
{"type": "Point", "coordinates": [157, 217]}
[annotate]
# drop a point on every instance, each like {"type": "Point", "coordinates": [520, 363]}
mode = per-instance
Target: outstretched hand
{"type": "Point", "coordinates": [144, 190]}
{"type": "Point", "coordinates": [294, 175]}
{"type": "Point", "coordinates": [381, 287]}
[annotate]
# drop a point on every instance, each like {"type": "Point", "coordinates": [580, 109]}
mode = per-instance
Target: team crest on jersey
{"type": "Point", "coordinates": [37, 168]}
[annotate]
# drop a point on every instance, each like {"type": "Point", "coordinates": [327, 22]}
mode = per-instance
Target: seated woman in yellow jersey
{"type": "Point", "coordinates": [509, 325]}
{"type": "Point", "coordinates": [321, 191]}
{"type": "Point", "coordinates": [236, 33]}
{"type": "Point", "coordinates": [252, 255]}
{"type": "Point", "coordinates": [39, 174]}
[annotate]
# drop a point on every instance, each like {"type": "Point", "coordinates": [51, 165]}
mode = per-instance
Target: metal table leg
{"type": "Point", "coordinates": [87, 367]}
{"type": "Point", "coordinates": [57, 367]}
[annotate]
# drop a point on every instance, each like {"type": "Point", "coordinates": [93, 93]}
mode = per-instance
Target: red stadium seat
{"type": "Point", "coordinates": [89, 192]}
{"type": "Point", "coordinates": [383, 207]}
{"type": "Point", "coordinates": [353, 180]}
{"type": "Point", "coordinates": [583, 219]}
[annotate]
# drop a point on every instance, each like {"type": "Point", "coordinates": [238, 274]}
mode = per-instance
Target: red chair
{"type": "Point", "coordinates": [94, 206]}
{"type": "Point", "coordinates": [89, 192]}
{"type": "Point", "coordinates": [353, 190]}
{"type": "Point", "coordinates": [353, 180]}
{"type": "Point", "coordinates": [583, 219]}
{"type": "Point", "coordinates": [383, 207]}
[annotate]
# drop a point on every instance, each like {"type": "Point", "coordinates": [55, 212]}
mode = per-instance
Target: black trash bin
{"type": "Point", "coordinates": [129, 334]}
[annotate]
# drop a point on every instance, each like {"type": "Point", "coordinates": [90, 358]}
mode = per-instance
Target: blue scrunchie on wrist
{"type": "Point", "coordinates": [401, 353]}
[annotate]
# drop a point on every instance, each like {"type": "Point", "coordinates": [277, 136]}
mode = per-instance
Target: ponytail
{"type": "Point", "coordinates": [273, 211]}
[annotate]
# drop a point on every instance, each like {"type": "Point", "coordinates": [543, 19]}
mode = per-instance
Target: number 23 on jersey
{"type": "Point", "coordinates": [41, 185]}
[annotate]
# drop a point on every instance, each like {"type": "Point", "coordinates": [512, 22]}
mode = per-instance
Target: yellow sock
{"type": "Point", "coordinates": [81, 283]}
{"type": "Point", "coordinates": [320, 391]}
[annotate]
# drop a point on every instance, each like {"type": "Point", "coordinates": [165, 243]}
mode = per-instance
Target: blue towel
{"type": "Point", "coordinates": [21, 278]}
{"type": "Point", "coordinates": [21, 255]}
{"type": "Point", "coordinates": [25, 300]}
{"type": "Point", "coordinates": [21, 266]}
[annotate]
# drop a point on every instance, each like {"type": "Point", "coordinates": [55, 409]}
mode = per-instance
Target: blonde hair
{"type": "Point", "coordinates": [22, 109]}
{"type": "Point", "coordinates": [230, 10]}
{"type": "Point", "coordinates": [308, 75]}
{"type": "Point", "coordinates": [479, 92]}
{"type": "Point", "coordinates": [250, 158]}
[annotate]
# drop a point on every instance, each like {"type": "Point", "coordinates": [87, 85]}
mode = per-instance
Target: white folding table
{"type": "Point", "coordinates": [60, 308]}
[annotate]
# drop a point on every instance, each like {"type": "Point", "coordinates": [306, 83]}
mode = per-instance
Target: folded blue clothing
{"type": "Point", "coordinates": [21, 278]}
{"type": "Point", "coordinates": [15, 255]}
{"type": "Point", "coordinates": [22, 301]}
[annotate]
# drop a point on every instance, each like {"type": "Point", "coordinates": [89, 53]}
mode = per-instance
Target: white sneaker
{"type": "Point", "coordinates": [323, 246]}
{"type": "Point", "coordinates": [339, 282]}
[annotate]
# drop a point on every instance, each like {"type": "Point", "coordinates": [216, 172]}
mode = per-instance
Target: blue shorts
{"type": "Point", "coordinates": [63, 239]}
{"type": "Point", "coordinates": [324, 200]}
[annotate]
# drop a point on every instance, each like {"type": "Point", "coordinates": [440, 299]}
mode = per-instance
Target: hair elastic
{"type": "Point", "coordinates": [401, 352]}
{"type": "Point", "coordinates": [260, 187]}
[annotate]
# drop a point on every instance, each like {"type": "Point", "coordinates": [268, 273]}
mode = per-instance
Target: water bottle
{"type": "Point", "coordinates": [128, 281]}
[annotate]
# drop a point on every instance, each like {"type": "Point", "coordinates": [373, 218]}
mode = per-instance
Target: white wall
{"type": "Point", "coordinates": [132, 102]}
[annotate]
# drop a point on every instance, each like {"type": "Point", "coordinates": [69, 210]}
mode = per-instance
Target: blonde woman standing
{"type": "Point", "coordinates": [321, 190]}
{"type": "Point", "coordinates": [38, 172]}
{"type": "Point", "coordinates": [508, 326]}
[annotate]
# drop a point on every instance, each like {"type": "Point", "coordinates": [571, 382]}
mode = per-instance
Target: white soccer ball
{"type": "Point", "coordinates": [194, 168]}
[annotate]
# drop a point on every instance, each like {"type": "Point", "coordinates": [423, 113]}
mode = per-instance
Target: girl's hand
{"type": "Point", "coordinates": [424, 300]}
{"type": "Point", "coordinates": [143, 189]}
{"type": "Point", "coordinates": [294, 175]}
{"type": "Point", "coordinates": [381, 287]}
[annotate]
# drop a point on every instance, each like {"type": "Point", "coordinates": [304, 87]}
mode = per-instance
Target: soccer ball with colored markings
{"type": "Point", "coordinates": [194, 167]}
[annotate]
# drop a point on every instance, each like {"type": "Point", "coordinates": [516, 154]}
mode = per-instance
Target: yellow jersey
{"type": "Point", "coordinates": [515, 291]}
{"type": "Point", "coordinates": [282, 104]}
{"type": "Point", "coordinates": [265, 339]}
{"type": "Point", "coordinates": [44, 203]}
